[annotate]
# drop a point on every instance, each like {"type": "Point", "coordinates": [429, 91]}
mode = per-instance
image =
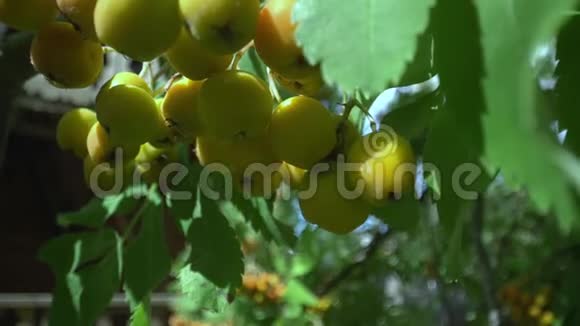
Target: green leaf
{"type": "Point", "coordinates": [98, 211]}
{"type": "Point", "coordinates": [97, 284]}
{"type": "Point", "coordinates": [402, 215]}
{"type": "Point", "coordinates": [518, 140]}
{"type": "Point", "coordinates": [62, 311]}
{"type": "Point", "coordinates": [282, 230]}
{"type": "Point", "coordinates": [252, 215]}
{"type": "Point", "coordinates": [252, 63]}
{"type": "Point", "coordinates": [140, 317]}
{"type": "Point", "coordinates": [301, 265]}
{"type": "Point", "coordinates": [183, 208]}
{"type": "Point", "coordinates": [568, 75]}
{"type": "Point", "coordinates": [93, 273]}
{"type": "Point", "coordinates": [298, 294]}
{"type": "Point", "coordinates": [215, 249]}
{"type": "Point", "coordinates": [88, 269]}
{"type": "Point", "coordinates": [126, 202]}
{"type": "Point", "coordinates": [381, 34]}
{"type": "Point", "coordinates": [412, 120]}
{"type": "Point", "coordinates": [199, 293]}
{"type": "Point", "coordinates": [147, 260]}
{"type": "Point", "coordinates": [420, 68]}
{"type": "Point", "coordinates": [257, 212]}
{"type": "Point", "coordinates": [455, 142]}
{"type": "Point", "coordinates": [67, 252]}
{"type": "Point", "coordinates": [92, 215]}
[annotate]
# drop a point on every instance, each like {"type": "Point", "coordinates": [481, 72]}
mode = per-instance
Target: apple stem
{"type": "Point", "coordinates": [273, 88]}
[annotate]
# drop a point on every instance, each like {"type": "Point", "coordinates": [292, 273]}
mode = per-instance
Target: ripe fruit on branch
{"type": "Point", "coordinates": [142, 30]}
{"type": "Point", "coordinates": [73, 129]}
{"type": "Point", "coordinates": [181, 109]}
{"type": "Point", "coordinates": [80, 13]}
{"type": "Point", "coordinates": [275, 42]}
{"type": "Point", "coordinates": [387, 165]}
{"type": "Point", "coordinates": [151, 161]}
{"type": "Point", "coordinates": [100, 148]}
{"type": "Point", "coordinates": [61, 54]}
{"type": "Point", "coordinates": [310, 85]}
{"type": "Point", "coordinates": [221, 26]}
{"type": "Point", "coordinates": [294, 176]}
{"type": "Point", "coordinates": [330, 210]}
{"type": "Point", "coordinates": [235, 105]}
{"type": "Point", "coordinates": [162, 136]}
{"type": "Point", "coordinates": [250, 162]}
{"type": "Point", "coordinates": [125, 78]}
{"type": "Point", "coordinates": [129, 113]}
{"type": "Point", "coordinates": [303, 131]}
{"type": "Point", "coordinates": [188, 57]}
{"type": "Point", "coordinates": [236, 156]}
{"type": "Point", "coordinates": [27, 15]}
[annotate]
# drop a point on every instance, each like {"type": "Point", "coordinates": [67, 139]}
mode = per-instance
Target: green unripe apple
{"type": "Point", "coordinates": [72, 130]}
{"type": "Point", "coordinates": [222, 26]}
{"type": "Point", "coordinates": [140, 29]}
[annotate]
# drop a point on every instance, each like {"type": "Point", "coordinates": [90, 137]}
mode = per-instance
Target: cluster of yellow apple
{"type": "Point", "coordinates": [229, 115]}
{"type": "Point", "coordinates": [299, 143]}
{"type": "Point", "coordinates": [197, 37]}
{"type": "Point", "coordinates": [127, 130]}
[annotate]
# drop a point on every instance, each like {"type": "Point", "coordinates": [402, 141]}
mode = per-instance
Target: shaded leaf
{"type": "Point", "coordinates": [182, 199]}
{"type": "Point", "coordinates": [257, 212]}
{"type": "Point", "coordinates": [97, 284]}
{"type": "Point", "coordinates": [568, 76]}
{"type": "Point", "coordinates": [147, 260]}
{"type": "Point", "coordinates": [455, 142]}
{"type": "Point", "coordinates": [518, 139]}
{"type": "Point", "coordinates": [67, 252]}
{"type": "Point", "coordinates": [98, 211]}
{"type": "Point", "coordinates": [215, 250]}
{"type": "Point", "coordinates": [91, 263]}
{"type": "Point", "coordinates": [401, 215]}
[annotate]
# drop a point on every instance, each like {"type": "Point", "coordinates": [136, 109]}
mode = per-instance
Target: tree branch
{"type": "Point", "coordinates": [378, 239]}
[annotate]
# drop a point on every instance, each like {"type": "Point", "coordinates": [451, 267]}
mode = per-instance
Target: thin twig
{"type": "Point", "coordinates": [273, 87]}
{"type": "Point", "coordinates": [378, 239]}
{"type": "Point", "coordinates": [234, 65]}
{"type": "Point", "coordinates": [165, 88]}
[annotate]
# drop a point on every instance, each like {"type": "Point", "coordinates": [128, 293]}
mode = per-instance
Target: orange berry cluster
{"type": "Point", "coordinates": [527, 308]}
{"type": "Point", "coordinates": [263, 288]}
{"type": "Point", "coordinates": [267, 288]}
